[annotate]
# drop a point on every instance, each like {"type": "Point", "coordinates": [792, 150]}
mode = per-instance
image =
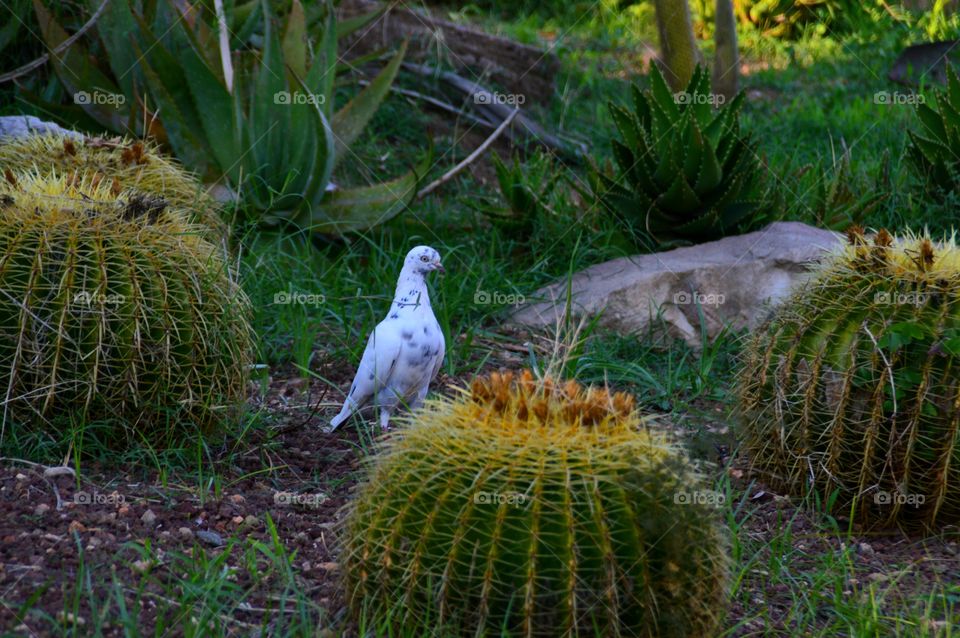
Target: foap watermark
{"type": "Point", "coordinates": [687, 297]}
{"type": "Point", "coordinates": [509, 99]}
{"type": "Point", "coordinates": [485, 298]}
{"type": "Point", "coordinates": [901, 298]}
{"type": "Point", "coordinates": [295, 297]}
{"type": "Point", "coordinates": [498, 498]}
{"type": "Point", "coordinates": [87, 298]}
{"type": "Point", "coordinates": [96, 498]}
{"type": "Point", "coordinates": [699, 497]}
{"type": "Point", "coordinates": [99, 98]}
{"type": "Point", "coordinates": [299, 97]}
{"type": "Point", "coordinates": [896, 98]}
{"type": "Point", "coordinates": [303, 500]}
{"type": "Point", "coordinates": [899, 498]}
{"type": "Point", "coordinates": [713, 99]}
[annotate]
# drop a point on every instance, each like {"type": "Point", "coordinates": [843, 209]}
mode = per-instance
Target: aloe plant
{"type": "Point", "coordinates": [837, 203]}
{"type": "Point", "coordinates": [933, 152]}
{"type": "Point", "coordinates": [272, 133]}
{"type": "Point", "coordinates": [687, 173]}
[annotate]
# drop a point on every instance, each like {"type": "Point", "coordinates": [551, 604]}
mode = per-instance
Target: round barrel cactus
{"type": "Point", "coordinates": [122, 163]}
{"type": "Point", "coordinates": [114, 309]}
{"type": "Point", "coordinates": [529, 507]}
{"type": "Point", "coordinates": [852, 389]}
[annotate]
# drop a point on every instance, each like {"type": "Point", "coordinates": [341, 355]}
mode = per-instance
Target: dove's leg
{"type": "Point", "coordinates": [384, 419]}
{"type": "Point", "coordinates": [387, 402]}
{"type": "Point", "coordinates": [418, 400]}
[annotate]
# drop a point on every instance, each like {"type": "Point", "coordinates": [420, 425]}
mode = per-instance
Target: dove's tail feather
{"type": "Point", "coordinates": [345, 413]}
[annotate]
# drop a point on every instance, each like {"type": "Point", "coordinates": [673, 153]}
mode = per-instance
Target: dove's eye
{"type": "Point", "coordinates": [424, 258]}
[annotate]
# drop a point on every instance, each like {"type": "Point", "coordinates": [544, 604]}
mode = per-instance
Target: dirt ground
{"type": "Point", "coordinates": [46, 522]}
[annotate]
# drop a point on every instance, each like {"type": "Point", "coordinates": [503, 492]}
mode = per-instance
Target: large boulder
{"type": "Point", "coordinates": [734, 282]}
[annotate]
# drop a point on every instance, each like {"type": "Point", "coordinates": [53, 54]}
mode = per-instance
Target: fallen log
{"type": "Point", "coordinates": [522, 69]}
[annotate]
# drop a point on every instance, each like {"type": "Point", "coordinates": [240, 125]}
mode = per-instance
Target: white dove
{"type": "Point", "coordinates": [405, 350]}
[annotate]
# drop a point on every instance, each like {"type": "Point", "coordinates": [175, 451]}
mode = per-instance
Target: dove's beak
{"type": "Point", "coordinates": [440, 267]}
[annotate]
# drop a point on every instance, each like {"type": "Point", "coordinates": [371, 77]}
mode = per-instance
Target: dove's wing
{"type": "Point", "coordinates": [442, 352]}
{"type": "Point", "coordinates": [376, 366]}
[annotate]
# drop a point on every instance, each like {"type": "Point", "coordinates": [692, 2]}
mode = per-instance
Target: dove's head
{"type": "Point", "coordinates": [423, 260]}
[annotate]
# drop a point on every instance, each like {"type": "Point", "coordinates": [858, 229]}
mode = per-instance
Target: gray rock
{"type": "Point", "coordinates": [734, 282]}
{"type": "Point", "coordinates": [23, 125]}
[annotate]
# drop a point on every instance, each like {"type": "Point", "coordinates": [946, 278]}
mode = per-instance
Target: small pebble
{"type": "Point", "coordinates": [41, 509]}
{"type": "Point", "coordinates": [149, 518]}
{"type": "Point", "coordinates": [67, 618]}
{"type": "Point", "coordinates": [210, 538]}
{"type": "Point", "coordinates": [185, 532]}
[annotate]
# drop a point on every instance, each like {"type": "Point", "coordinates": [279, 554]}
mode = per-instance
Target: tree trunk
{"type": "Point", "coordinates": [677, 45]}
{"type": "Point", "coordinates": [727, 60]}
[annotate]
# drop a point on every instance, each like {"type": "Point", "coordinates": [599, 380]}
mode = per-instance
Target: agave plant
{"type": "Point", "coordinates": [687, 173]}
{"type": "Point", "coordinates": [263, 122]}
{"type": "Point", "coordinates": [934, 152]}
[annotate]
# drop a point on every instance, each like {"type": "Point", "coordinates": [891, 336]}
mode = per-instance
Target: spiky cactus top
{"type": "Point", "coordinates": [114, 309]}
{"type": "Point", "coordinates": [853, 385]}
{"type": "Point", "coordinates": [534, 508]}
{"type": "Point", "coordinates": [122, 163]}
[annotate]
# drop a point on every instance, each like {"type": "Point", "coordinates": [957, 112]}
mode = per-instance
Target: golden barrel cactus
{"type": "Point", "coordinates": [528, 507]}
{"type": "Point", "coordinates": [113, 308]}
{"type": "Point", "coordinates": [852, 388]}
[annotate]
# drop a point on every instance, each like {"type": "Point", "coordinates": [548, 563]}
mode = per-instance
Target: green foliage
{"type": "Point", "coordinates": [791, 19]}
{"type": "Point", "coordinates": [272, 133]}
{"type": "Point", "coordinates": [850, 391]}
{"type": "Point", "coordinates": [687, 173]}
{"type": "Point", "coordinates": [114, 308]}
{"type": "Point", "coordinates": [933, 152]}
{"type": "Point", "coordinates": [529, 507]}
